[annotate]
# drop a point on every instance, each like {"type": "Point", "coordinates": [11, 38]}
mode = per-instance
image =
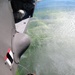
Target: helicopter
{"type": "Point", "coordinates": [13, 41]}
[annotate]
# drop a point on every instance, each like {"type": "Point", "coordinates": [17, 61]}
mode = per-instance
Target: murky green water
{"type": "Point", "coordinates": [52, 50]}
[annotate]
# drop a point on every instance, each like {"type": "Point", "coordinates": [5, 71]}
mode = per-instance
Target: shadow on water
{"type": "Point", "coordinates": [52, 50]}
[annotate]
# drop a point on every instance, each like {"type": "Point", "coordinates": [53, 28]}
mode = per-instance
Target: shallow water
{"type": "Point", "coordinates": [52, 51]}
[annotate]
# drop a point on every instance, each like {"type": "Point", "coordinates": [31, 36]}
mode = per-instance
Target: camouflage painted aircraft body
{"type": "Point", "coordinates": [12, 43]}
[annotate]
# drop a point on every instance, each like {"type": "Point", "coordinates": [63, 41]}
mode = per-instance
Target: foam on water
{"type": "Point", "coordinates": [53, 45]}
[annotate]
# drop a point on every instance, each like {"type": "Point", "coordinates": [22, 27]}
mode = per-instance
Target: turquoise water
{"type": "Point", "coordinates": [56, 3]}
